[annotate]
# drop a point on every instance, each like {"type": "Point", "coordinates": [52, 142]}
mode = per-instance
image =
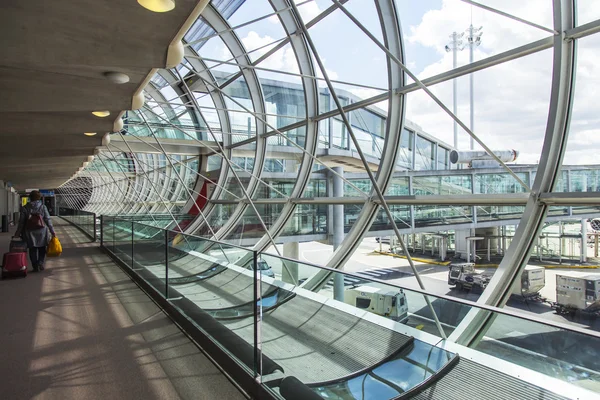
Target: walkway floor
{"type": "Point", "coordinates": [82, 329]}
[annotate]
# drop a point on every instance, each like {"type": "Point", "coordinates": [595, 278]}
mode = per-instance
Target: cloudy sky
{"type": "Point", "coordinates": [511, 99]}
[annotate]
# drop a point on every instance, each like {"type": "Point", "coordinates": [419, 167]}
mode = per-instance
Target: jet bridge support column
{"type": "Point", "coordinates": [583, 257]}
{"type": "Point", "coordinates": [338, 229]}
{"type": "Point", "coordinates": [290, 273]}
{"type": "Point", "coordinates": [461, 247]}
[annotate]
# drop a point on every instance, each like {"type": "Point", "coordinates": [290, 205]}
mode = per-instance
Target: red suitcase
{"type": "Point", "coordinates": [14, 264]}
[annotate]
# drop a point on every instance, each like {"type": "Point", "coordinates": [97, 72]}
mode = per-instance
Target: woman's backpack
{"type": "Point", "coordinates": [35, 220]}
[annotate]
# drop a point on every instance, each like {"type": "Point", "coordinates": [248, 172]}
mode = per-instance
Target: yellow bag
{"type": "Point", "coordinates": [54, 248]}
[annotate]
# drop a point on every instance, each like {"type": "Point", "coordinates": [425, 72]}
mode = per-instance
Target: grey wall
{"type": "Point", "coordinates": [9, 201]}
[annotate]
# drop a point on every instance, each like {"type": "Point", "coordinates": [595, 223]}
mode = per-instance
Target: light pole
{"type": "Point", "coordinates": [474, 40]}
{"type": "Point", "coordinates": [456, 44]}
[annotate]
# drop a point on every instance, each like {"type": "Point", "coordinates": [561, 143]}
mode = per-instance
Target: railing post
{"type": "Point", "coordinates": [166, 264]}
{"type": "Point", "coordinates": [132, 241]}
{"type": "Point", "coordinates": [102, 231]}
{"type": "Point", "coordinates": [257, 319]}
{"type": "Point", "coordinates": [113, 235]}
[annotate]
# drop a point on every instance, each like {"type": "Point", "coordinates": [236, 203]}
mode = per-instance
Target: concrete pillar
{"type": "Point", "coordinates": [584, 240]}
{"type": "Point", "coordinates": [443, 248]}
{"type": "Point", "coordinates": [338, 229]}
{"type": "Point", "coordinates": [561, 240]}
{"type": "Point", "coordinates": [468, 251]}
{"type": "Point", "coordinates": [461, 242]}
{"type": "Point", "coordinates": [289, 271]}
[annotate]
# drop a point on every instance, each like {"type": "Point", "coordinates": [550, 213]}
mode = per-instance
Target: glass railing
{"type": "Point", "coordinates": [84, 220]}
{"type": "Point", "coordinates": [305, 330]}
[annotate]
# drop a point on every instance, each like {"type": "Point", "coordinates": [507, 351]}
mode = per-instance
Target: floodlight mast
{"type": "Point", "coordinates": [474, 40]}
{"type": "Point", "coordinates": [456, 44]}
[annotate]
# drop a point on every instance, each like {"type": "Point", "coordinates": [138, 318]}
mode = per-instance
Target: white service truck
{"type": "Point", "coordinates": [390, 304]}
{"type": "Point", "coordinates": [577, 293]}
{"type": "Point", "coordinates": [464, 276]}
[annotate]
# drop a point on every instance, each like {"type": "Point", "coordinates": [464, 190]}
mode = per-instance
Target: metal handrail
{"type": "Point", "coordinates": [185, 234]}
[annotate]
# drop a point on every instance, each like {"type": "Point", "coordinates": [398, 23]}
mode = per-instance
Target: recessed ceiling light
{"type": "Point", "coordinates": [157, 5]}
{"type": "Point", "coordinates": [89, 133]}
{"type": "Point", "coordinates": [116, 77]}
{"type": "Point", "coordinates": [101, 114]}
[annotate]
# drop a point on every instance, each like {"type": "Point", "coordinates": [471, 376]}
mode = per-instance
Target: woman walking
{"type": "Point", "coordinates": [35, 227]}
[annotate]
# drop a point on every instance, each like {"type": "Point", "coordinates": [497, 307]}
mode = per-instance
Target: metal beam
{"type": "Point", "coordinates": [516, 199]}
{"type": "Point", "coordinates": [583, 30]}
{"type": "Point", "coordinates": [476, 323]}
{"type": "Point", "coordinates": [570, 199]}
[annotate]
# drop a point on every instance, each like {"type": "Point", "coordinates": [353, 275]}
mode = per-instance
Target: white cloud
{"type": "Point", "coordinates": [283, 59]}
{"type": "Point", "coordinates": [307, 11]}
{"type": "Point", "coordinates": [511, 99]}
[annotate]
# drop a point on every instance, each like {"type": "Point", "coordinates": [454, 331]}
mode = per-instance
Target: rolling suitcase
{"type": "Point", "coordinates": [14, 264]}
{"type": "Point", "coordinates": [17, 246]}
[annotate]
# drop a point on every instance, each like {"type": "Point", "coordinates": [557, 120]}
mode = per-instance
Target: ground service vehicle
{"type": "Point", "coordinates": [577, 293]}
{"type": "Point", "coordinates": [464, 276]}
{"type": "Point", "coordinates": [391, 304]}
{"type": "Point", "coordinates": [533, 279]}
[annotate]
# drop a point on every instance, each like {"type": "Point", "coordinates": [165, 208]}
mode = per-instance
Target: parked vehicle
{"type": "Point", "coordinates": [390, 304]}
{"type": "Point", "coordinates": [533, 279]}
{"type": "Point", "coordinates": [577, 293]}
{"type": "Point", "coordinates": [464, 276]}
{"type": "Point", "coordinates": [263, 268]}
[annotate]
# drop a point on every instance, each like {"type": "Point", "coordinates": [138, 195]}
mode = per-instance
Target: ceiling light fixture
{"type": "Point", "coordinates": [89, 133]}
{"type": "Point", "coordinates": [101, 114]}
{"type": "Point", "coordinates": [157, 5]}
{"type": "Point", "coordinates": [117, 77]}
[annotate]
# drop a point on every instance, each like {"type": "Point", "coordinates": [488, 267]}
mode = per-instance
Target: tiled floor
{"type": "Point", "coordinates": [82, 329]}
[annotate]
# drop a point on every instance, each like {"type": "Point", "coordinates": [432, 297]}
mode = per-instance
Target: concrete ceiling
{"type": "Point", "coordinates": [54, 55]}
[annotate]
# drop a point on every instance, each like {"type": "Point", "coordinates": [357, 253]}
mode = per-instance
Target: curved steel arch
{"type": "Point", "coordinates": [476, 323]}
{"type": "Point", "coordinates": [219, 101]}
{"type": "Point", "coordinates": [311, 98]}
{"type": "Point", "coordinates": [392, 34]}
{"type": "Point", "coordinates": [236, 47]}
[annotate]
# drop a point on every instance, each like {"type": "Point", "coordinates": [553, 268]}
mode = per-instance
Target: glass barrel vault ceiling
{"type": "Point", "coordinates": [331, 123]}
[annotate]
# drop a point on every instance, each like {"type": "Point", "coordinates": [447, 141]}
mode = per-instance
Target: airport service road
{"type": "Point", "coordinates": [397, 271]}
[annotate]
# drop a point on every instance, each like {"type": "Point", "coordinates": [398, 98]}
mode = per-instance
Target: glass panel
{"type": "Point", "coordinates": [250, 226]}
{"type": "Point", "coordinates": [501, 183]}
{"type": "Point", "coordinates": [213, 285]}
{"type": "Point", "coordinates": [308, 219]}
{"type": "Point", "coordinates": [354, 366]}
{"type": "Point", "coordinates": [82, 219]}
{"type": "Point", "coordinates": [122, 240]}
{"type": "Point", "coordinates": [149, 254]}
{"type": "Point", "coordinates": [359, 334]}
{"type": "Point", "coordinates": [551, 351]}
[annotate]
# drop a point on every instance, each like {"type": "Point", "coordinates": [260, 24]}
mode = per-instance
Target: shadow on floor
{"type": "Point", "coordinates": [82, 330]}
